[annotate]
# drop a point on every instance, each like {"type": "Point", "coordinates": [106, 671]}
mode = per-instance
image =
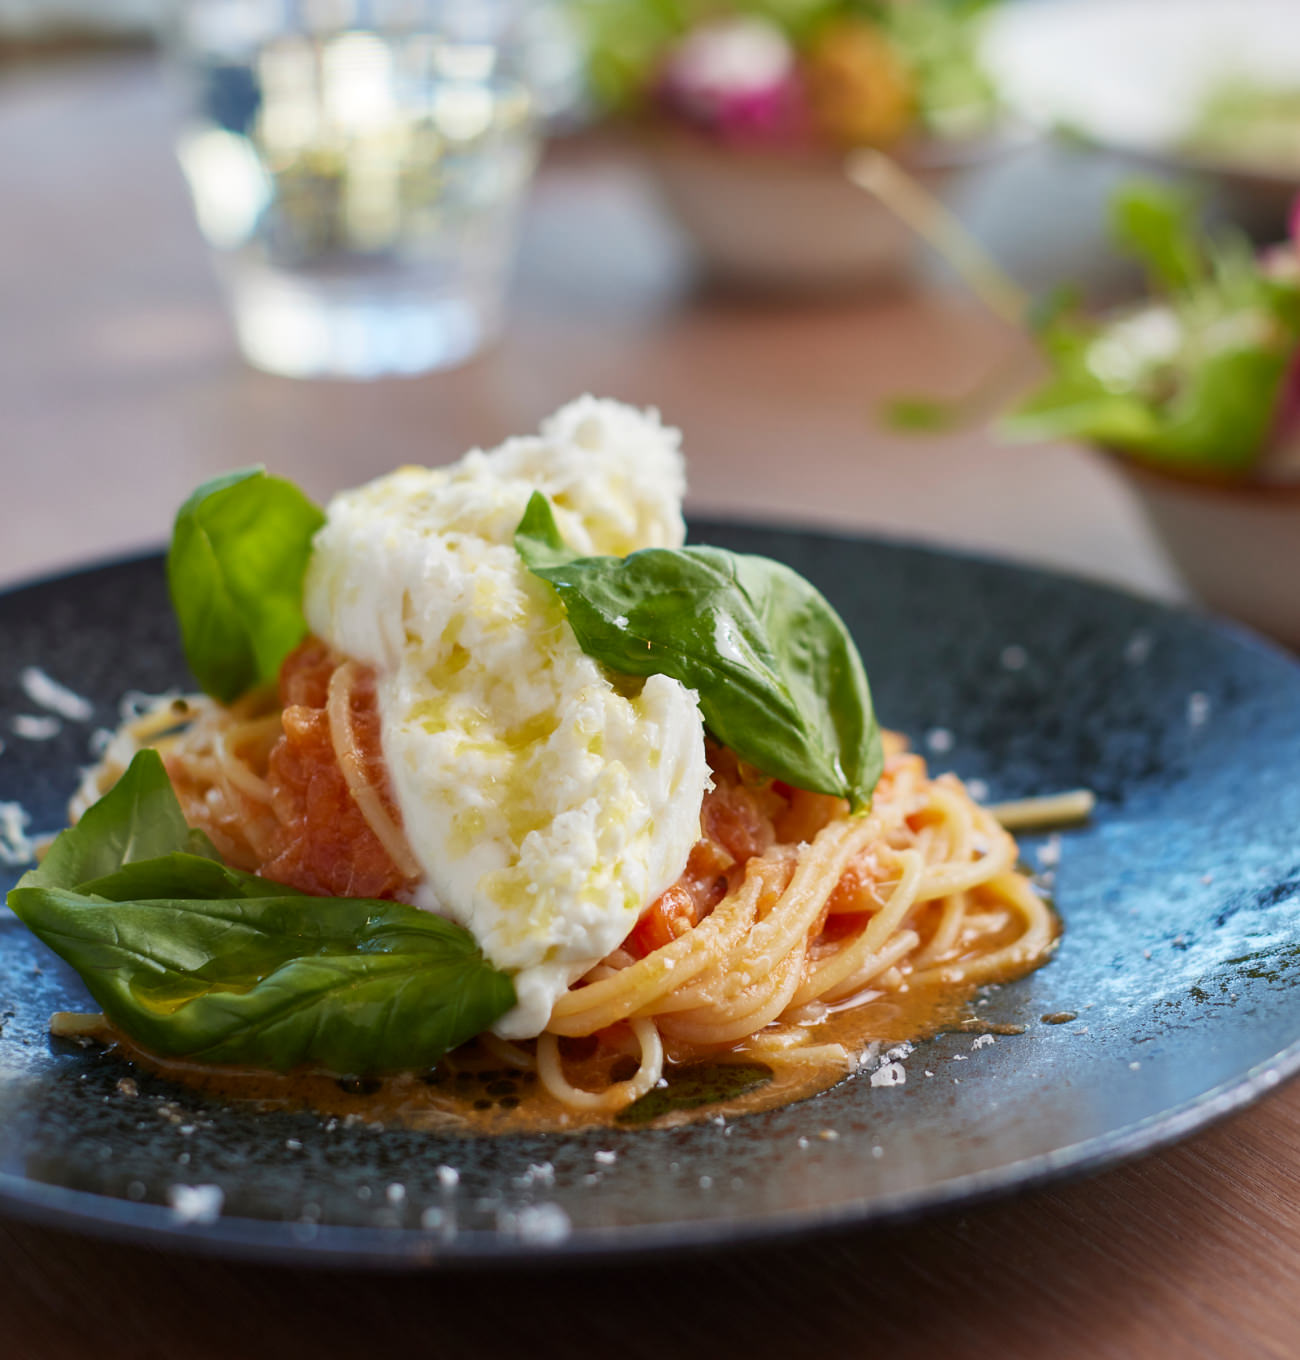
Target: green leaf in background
{"type": "Point", "coordinates": [1158, 226]}
{"type": "Point", "coordinates": [923, 415]}
{"type": "Point", "coordinates": [137, 819]}
{"type": "Point", "coordinates": [235, 569]}
{"type": "Point", "coordinates": [1193, 381]}
{"type": "Point", "coordinates": [193, 959]}
{"type": "Point", "coordinates": [625, 44]}
{"type": "Point", "coordinates": [1217, 421]}
{"type": "Point", "coordinates": [938, 42]}
{"type": "Point", "coordinates": [350, 985]}
{"type": "Point", "coordinates": [779, 678]}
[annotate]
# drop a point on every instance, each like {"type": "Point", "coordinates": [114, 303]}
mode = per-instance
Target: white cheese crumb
{"type": "Point", "coordinates": [1198, 709]}
{"type": "Point", "coordinates": [396, 1192]}
{"type": "Point", "coordinates": [448, 1177]}
{"type": "Point", "coordinates": [877, 1152]}
{"type": "Point", "coordinates": [1134, 1066]}
{"type": "Point", "coordinates": [889, 1074]}
{"type": "Point", "coordinates": [606, 1158]}
{"type": "Point", "coordinates": [539, 1224]}
{"type": "Point", "coordinates": [1014, 657]}
{"type": "Point", "coordinates": [15, 845]}
{"type": "Point", "coordinates": [705, 1182]}
{"type": "Point", "coordinates": [196, 1203]}
{"type": "Point", "coordinates": [33, 727]}
{"type": "Point", "coordinates": [1138, 648]}
{"type": "Point", "coordinates": [126, 1086]}
{"type": "Point", "coordinates": [803, 1142]}
{"type": "Point", "coordinates": [45, 691]}
{"type": "Point", "coordinates": [939, 740]}
{"type": "Point", "coordinates": [984, 1041]}
{"type": "Point", "coordinates": [1049, 853]}
{"type": "Point", "coordinates": [293, 1144]}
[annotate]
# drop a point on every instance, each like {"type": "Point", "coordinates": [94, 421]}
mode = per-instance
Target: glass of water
{"type": "Point", "coordinates": [357, 167]}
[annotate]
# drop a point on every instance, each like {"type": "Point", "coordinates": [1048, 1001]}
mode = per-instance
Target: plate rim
{"type": "Point", "coordinates": [300, 1244]}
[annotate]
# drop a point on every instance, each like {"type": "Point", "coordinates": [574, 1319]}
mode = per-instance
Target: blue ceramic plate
{"type": "Point", "coordinates": [1181, 955]}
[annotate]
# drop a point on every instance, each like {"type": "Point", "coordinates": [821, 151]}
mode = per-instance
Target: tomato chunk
{"type": "Point", "coordinates": [325, 845]}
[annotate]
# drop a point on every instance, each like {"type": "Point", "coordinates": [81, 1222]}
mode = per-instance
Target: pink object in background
{"type": "Point", "coordinates": [736, 80]}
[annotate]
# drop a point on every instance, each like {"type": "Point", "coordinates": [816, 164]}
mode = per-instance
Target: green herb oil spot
{"type": "Point", "coordinates": [697, 1084]}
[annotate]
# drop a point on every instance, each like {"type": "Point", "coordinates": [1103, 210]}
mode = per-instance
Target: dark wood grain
{"type": "Point", "coordinates": [120, 388]}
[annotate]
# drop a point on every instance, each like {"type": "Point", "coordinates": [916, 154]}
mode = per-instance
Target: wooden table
{"type": "Point", "coordinates": [120, 388]}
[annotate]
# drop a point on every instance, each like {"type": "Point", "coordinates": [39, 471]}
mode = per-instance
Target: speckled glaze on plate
{"type": "Point", "coordinates": [1181, 956]}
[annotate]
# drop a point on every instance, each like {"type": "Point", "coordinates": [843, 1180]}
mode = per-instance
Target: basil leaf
{"type": "Point", "coordinates": [193, 959]}
{"type": "Point", "coordinates": [777, 673]}
{"type": "Point", "coordinates": [351, 985]}
{"type": "Point", "coordinates": [137, 819]}
{"type": "Point", "coordinates": [235, 570]}
{"type": "Point", "coordinates": [181, 876]}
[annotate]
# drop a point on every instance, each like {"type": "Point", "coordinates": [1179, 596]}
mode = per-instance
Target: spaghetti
{"type": "Point", "coordinates": [789, 910]}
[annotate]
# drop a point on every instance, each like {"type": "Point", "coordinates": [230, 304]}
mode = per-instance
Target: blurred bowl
{"type": "Point", "coordinates": [1134, 76]}
{"type": "Point", "coordinates": [791, 222]}
{"type": "Point", "coordinates": [1235, 544]}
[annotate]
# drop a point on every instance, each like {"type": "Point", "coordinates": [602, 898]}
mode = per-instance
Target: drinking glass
{"type": "Point", "coordinates": [357, 167]}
